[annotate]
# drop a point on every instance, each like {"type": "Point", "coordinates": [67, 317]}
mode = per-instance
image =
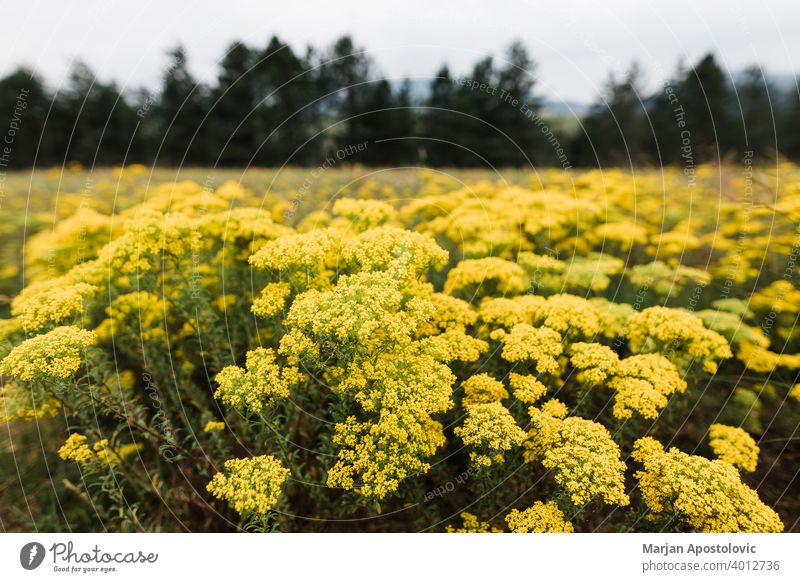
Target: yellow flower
{"type": "Point", "coordinates": [250, 486]}
{"type": "Point", "coordinates": [595, 361]}
{"type": "Point", "coordinates": [260, 385]}
{"type": "Point", "coordinates": [482, 389]}
{"type": "Point", "coordinates": [54, 355]}
{"type": "Point", "coordinates": [214, 426]}
{"type": "Point", "coordinates": [488, 431]}
{"type": "Point", "coordinates": [539, 518]}
{"type": "Point", "coordinates": [571, 316]}
{"type": "Point", "coordinates": [643, 384]}
{"type": "Point", "coordinates": [707, 495]}
{"type": "Point", "coordinates": [454, 345]}
{"type": "Point", "coordinates": [539, 346]}
{"type": "Point", "coordinates": [681, 336]}
{"type": "Point", "coordinates": [489, 276]}
{"type": "Point", "coordinates": [581, 453]}
{"type": "Point", "coordinates": [471, 524]}
{"type": "Point", "coordinates": [48, 303]}
{"type": "Point", "coordinates": [734, 445]}
{"type": "Point", "coordinates": [76, 449]}
{"type": "Point", "coordinates": [398, 252]}
{"type": "Point", "coordinates": [364, 214]}
{"type": "Point", "coordinates": [271, 300]}
{"type": "Point", "coordinates": [527, 389]}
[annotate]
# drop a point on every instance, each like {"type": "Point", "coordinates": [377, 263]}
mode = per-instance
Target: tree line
{"type": "Point", "coordinates": [272, 106]}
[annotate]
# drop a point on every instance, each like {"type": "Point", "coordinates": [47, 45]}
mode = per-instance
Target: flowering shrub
{"type": "Point", "coordinates": [519, 352]}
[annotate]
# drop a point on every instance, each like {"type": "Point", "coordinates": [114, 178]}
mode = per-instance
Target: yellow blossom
{"type": "Point", "coordinates": [527, 389]}
{"type": "Point", "coordinates": [482, 389]}
{"type": "Point", "coordinates": [706, 495]}
{"type": "Point", "coordinates": [734, 445]}
{"type": "Point", "coordinates": [539, 518]}
{"type": "Point", "coordinates": [581, 453]}
{"type": "Point", "coordinates": [250, 486]}
{"type": "Point", "coordinates": [261, 384]}
{"type": "Point", "coordinates": [539, 346]}
{"type": "Point", "coordinates": [488, 431]}
{"type": "Point", "coordinates": [54, 355]}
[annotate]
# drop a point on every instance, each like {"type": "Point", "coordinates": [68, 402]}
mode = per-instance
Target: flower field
{"type": "Point", "coordinates": [346, 349]}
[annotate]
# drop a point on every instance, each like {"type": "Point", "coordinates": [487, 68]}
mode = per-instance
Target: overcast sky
{"type": "Point", "coordinates": [576, 44]}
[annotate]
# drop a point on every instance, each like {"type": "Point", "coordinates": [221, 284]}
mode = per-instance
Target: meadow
{"type": "Point", "coordinates": [344, 348]}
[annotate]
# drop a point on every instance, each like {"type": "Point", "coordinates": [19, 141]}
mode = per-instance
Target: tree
{"type": "Point", "coordinates": [615, 129]}
{"type": "Point", "coordinates": [233, 128]}
{"type": "Point", "coordinates": [180, 115]}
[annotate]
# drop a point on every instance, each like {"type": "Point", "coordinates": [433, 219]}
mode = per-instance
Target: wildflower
{"type": "Point", "coordinates": [76, 449]}
{"type": "Point", "coordinates": [643, 384]}
{"type": "Point", "coordinates": [375, 456]}
{"type": "Point", "coordinates": [571, 316]}
{"type": "Point", "coordinates": [471, 524]}
{"type": "Point", "coordinates": [539, 346]}
{"type": "Point", "coordinates": [364, 313]}
{"type": "Point", "coordinates": [449, 313]}
{"type": "Point", "coordinates": [678, 333]}
{"type": "Point", "coordinates": [489, 276]}
{"type": "Point", "coordinates": [55, 355]}
{"type": "Point", "coordinates": [260, 385]}
{"type": "Point", "coordinates": [482, 389]}
{"type": "Point", "coordinates": [454, 345]}
{"type": "Point", "coordinates": [250, 486]}
{"type": "Point", "coordinates": [507, 312]}
{"type": "Point", "coordinates": [49, 304]}
{"type": "Point", "coordinates": [794, 392]}
{"type": "Point", "coordinates": [539, 518]}
{"type": "Point", "coordinates": [271, 300]}
{"type": "Point", "coordinates": [581, 453]}
{"type": "Point", "coordinates": [596, 361]}
{"type": "Point", "coordinates": [734, 445]}
{"type": "Point", "coordinates": [488, 431]}
{"type": "Point", "coordinates": [401, 253]}
{"type": "Point", "coordinates": [707, 495]}
{"type": "Point", "coordinates": [363, 215]}
{"type": "Point", "coordinates": [527, 389]}
{"type": "Point", "coordinates": [214, 426]}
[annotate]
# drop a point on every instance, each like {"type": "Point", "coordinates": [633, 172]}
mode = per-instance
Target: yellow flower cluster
{"type": "Point", "coordinates": [271, 300]}
{"type": "Point", "coordinates": [573, 317]}
{"type": "Point", "coordinates": [581, 453]}
{"type": "Point", "coordinates": [48, 304]}
{"type": "Point", "coordinates": [734, 445]}
{"type": "Point", "coordinates": [643, 384]}
{"type": "Point", "coordinates": [505, 313]}
{"type": "Point", "coordinates": [539, 518]}
{"type": "Point", "coordinates": [76, 448]}
{"type": "Point", "coordinates": [55, 355]}
{"type": "Point", "coordinates": [21, 402]}
{"type": "Point", "coordinates": [365, 313]}
{"type": "Point", "coordinates": [375, 456]}
{"type": "Point", "coordinates": [482, 389]}
{"type": "Point", "coordinates": [363, 215]}
{"type": "Point", "coordinates": [538, 346]}
{"type": "Point", "coordinates": [527, 389]}
{"type": "Point", "coordinates": [489, 276]}
{"type": "Point", "coordinates": [488, 431]}
{"type": "Point", "coordinates": [454, 345]}
{"type": "Point", "coordinates": [681, 336]}
{"type": "Point", "coordinates": [580, 275]}
{"type": "Point", "coordinates": [471, 524]}
{"type": "Point", "coordinates": [261, 384]}
{"type": "Point", "coordinates": [306, 260]}
{"type": "Point", "coordinates": [596, 362]}
{"type": "Point", "coordinates": [398, 252]}
{"type": "Point", "coordinates": [709, 496]}
{"type": "Point", "coordinates": [250, 486]}
{"type": "Point", "coordinates": [214, 426]}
